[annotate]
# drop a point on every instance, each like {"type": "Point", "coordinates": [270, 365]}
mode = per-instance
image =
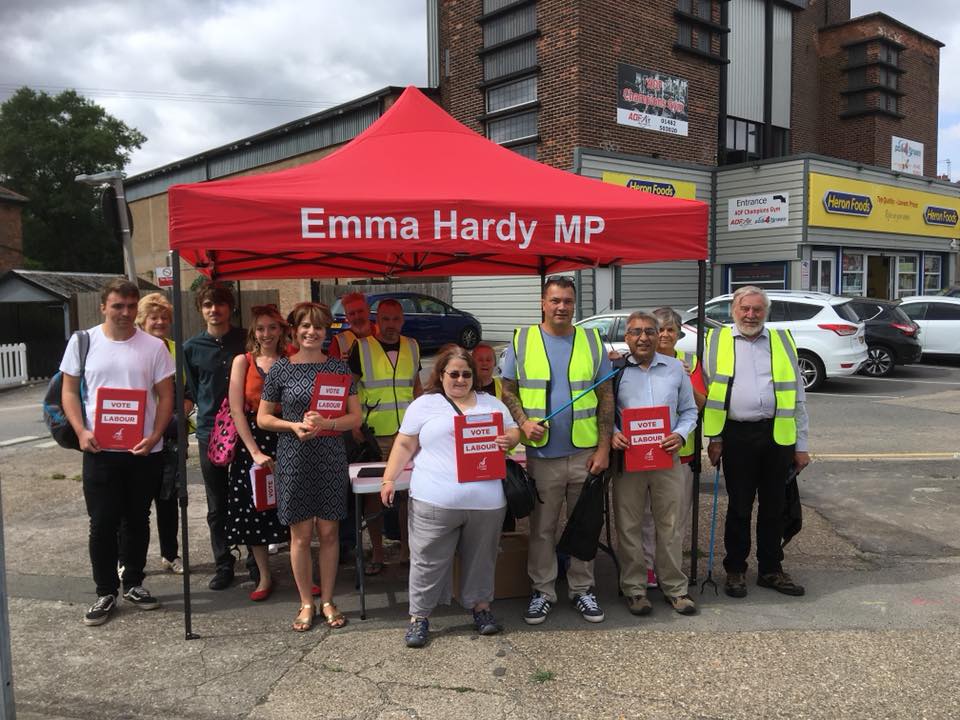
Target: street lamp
{"type": "Point", "coordinates": [114, 178]}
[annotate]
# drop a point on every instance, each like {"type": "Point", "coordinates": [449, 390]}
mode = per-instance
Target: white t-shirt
{"type": "Point", "coordinates": [135, 364]}
{"type": "Point", "coordinates": [434, 478]}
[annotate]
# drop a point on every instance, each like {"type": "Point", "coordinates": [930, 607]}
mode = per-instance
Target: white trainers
{"type": "Point", "coordinates": [175, 566]}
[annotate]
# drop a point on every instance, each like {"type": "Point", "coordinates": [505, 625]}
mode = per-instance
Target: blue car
{"type": "Point", "coordinates": [429, 321]}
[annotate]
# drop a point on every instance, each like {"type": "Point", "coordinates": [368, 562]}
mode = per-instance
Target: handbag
{"type": "Point", "coordinates": [520, 489]}
{"type": "Point", "coordinates": [224, 438]}
{"type": "Point", "coordinates": [581, 536]}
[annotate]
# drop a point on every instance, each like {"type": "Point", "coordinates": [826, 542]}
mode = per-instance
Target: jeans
{"type": "Point", "coordinates": [118, 488]}
{"type": "Point", "coordinates": [754, 466]}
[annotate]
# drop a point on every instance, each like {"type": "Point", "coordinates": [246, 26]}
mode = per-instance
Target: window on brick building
{"type": "Point", "coordinates": [889, 54]}
{"type": "Point", "coordinates": [889, 102]}
{"type": "Point", "coordinates": [514, 127]}
{"type": "Point", "coordinates": [696, 29]}
{"type": "Point", "coordinates": [856, 54]}
{"type": "Point", "coordinates": [509, 60]}
{"type": "Point", "coordinates": [743, 141]}
{"type": "Point", "coordinates": [888, 78]}
{"type": "Point", "coordinates": [856, 102]}
{"type": "Point", "coordinates": [490, 6]}
{"type": "Point", "coordinates": [507, 27]}
{"type": "Point", "coordinates": [519, 92]}
{"type": "Point", "coordinates": [856, 78]}
{"type": "Point", "coordinates": [528, 150]}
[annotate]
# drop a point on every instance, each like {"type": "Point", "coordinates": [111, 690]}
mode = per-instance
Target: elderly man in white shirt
{"type": "Point", "coordinates": [650, 379]}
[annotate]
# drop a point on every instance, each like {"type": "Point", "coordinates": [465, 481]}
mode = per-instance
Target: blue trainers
{"type": "Point", "coordinates": [417, 633]}
{"type": "Point", "coordinates": [588, 606]}
{"type": "Point", "coordinates": [538, 609]}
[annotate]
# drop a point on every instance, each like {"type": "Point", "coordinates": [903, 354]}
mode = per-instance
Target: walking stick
{"type": "Point", "coordinates": [713, 526]}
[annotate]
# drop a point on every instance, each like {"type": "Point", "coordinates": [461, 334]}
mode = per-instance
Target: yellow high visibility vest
{"type": "Point", "coordinates": [689, 445]}
{"type": "Point", "coordinates": [345, 340]}
{"type": "Point", "coordinates": [497, 387]}
{"type": "Point", "coordinates": [387, 390]}
{"type": "Point", "coordinates": [533, 381]}
{"type": "Point", "coordinates": [720, 361]}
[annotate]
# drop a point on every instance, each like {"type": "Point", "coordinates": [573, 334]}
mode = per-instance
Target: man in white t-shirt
{"type": "Point", "coordinates": [119, 484]}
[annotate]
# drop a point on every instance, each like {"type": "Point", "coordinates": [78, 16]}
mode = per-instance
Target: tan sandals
{"type": "Point", "coordinates": [301, 624]}
{"type": "Point", "coordinates": [334, 619]}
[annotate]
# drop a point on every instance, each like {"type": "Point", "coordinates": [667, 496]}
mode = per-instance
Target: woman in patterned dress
{"type": "Point", "coordinates": [311, 469]}
{"type": "Point", "coordinates": [266, 343]}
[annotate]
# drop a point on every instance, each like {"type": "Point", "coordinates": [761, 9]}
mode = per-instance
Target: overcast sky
{"type": "Point", "coordinates": [176, 69]}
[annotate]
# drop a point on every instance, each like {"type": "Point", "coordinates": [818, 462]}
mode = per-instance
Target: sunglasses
{"type": "Point", "coordinates": [637, 332]}
{"type": "Point", "coordinates": [456, 374]}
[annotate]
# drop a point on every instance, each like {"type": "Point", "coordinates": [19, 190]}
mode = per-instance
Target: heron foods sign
{"type": "Point", "coordinates": [653, 186]}
{"type": "Point", "coordinates": [859, 205]}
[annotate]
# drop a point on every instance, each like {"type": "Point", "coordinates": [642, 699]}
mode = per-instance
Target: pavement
{"type": "Point", "coordinates": [876, 635]}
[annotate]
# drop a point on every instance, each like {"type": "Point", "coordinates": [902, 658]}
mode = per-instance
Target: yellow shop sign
{"type": "Point", "coordinates": [654, 186]}
{"type": "Point", "coordinates": [859, 205]}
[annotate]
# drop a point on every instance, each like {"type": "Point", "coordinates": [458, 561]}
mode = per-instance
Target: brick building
{"type": "Point", "coordinates": [11, 229]}
{"type": "Point", "coordinates": [737, 103]}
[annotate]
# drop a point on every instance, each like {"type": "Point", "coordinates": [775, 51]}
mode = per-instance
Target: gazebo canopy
{"type": "Point", "coordinates": [419, 193]}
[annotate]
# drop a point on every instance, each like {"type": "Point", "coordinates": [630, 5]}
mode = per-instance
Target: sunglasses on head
{"type": "Point", "coordinates": [457, 374]}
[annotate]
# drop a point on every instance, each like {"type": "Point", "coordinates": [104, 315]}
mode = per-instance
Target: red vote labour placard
{"type": "Point", "coordinates": [330, 391]}
{"type": "Point", "coordinates": [120, 416]}
{"type": "Point", "coordinates": [645, 429]}
{"type": "Point", "coordinates": [478, 456]}
{"type": "Point", "coordinates": [264, 488]}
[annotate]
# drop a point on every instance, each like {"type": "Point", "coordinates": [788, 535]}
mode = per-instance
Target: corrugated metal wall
{"type": "Point", "coordinates": [745, 72]}
{"type": "Point", "coordinates": [760, 244]}
{"type": "Point", "coordinates": [501, 303]}
{"type": "Point", "coordinates": [782, 64]}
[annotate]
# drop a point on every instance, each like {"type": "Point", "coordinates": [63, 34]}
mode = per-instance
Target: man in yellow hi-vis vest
{"type": "Point", "coordinates": [756, 419]}
{"type": "Point", "coordinates": [387, 370]}
{"type": "Point", "coordinates": [545, 367]}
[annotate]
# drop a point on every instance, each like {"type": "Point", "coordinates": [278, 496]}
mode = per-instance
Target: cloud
{"type": "Point", "coordinates": [320, 53]}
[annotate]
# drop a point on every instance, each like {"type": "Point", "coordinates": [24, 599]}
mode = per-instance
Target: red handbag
{"type": "Point", "coordinates": [224, 438]}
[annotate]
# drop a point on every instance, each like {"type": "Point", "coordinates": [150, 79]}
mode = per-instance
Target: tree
{"type": "Point", "coordinates": [45, 142]}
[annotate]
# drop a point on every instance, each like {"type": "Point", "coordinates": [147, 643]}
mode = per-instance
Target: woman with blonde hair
{"type": "Point", "coordinates": [266, 343]}
{"type": "Point", "coordinates": [311, 468]}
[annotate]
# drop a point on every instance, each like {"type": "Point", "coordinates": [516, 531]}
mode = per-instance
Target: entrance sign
{"type": "Point", "coordinates": [758, 211]}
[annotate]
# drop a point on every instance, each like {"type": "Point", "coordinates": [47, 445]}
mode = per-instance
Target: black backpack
{"type": "Point", "coordinates": [53, 415]}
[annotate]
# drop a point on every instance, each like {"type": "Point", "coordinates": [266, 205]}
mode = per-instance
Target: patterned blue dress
{"type": "Point", "coordinates": [312, 477]}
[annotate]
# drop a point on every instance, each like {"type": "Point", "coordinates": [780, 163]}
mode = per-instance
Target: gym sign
{"type": "Point", "coordinates": [838, 202]}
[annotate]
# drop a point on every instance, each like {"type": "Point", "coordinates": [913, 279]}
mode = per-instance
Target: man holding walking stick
{"type": "Point", "coordinates": [545, 368]}
{"type": "Point", "coordinates": [756, 420]}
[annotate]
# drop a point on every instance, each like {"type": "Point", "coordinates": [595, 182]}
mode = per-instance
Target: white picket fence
{"type": "Point", "coordinates": [13, 364]}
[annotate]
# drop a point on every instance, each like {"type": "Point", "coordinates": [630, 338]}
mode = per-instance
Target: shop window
{"type": "Point", "coordinates": [519, 22]}
{"type": "Point", "coordinates": [511, 94]}
{"type": "Point", "coordinates": [508, 60]}
{"type": "Point", "coordinates": [931, 273]}
{"type": "Point", "coordinates": [769, 276]}
{"type": "Point", "coordinates": [906, 275]}
{"type": "Point", "coordinates": [515, 127]}
{"type": "Point", "coordinates": [852, 275]}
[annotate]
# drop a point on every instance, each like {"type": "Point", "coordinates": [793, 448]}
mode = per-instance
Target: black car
{"type": "Point", "coordinates": [891, 335]}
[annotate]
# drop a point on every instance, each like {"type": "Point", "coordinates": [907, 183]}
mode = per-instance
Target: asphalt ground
{"type": "Point", "coordinates": [876, 635]}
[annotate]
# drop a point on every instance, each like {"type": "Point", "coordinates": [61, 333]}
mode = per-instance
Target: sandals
{"type": "Point", "coordinates": [334, 619]}
{"type": "Point", "coordinates": [303, 624]}
{"type": "Point", "coordinates": [373, 568]}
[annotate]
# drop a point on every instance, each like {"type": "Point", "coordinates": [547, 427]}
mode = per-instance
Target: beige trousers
{"type": "Point", "coordinates": [650, 530]}
{"type": "Point", "coordinates": [665, 489]}
{"type": "Point", "coordinates": [558, 480]}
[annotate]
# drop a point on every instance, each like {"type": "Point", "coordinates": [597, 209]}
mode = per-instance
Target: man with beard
{"type": "Point", "coordinates": [756, 420]}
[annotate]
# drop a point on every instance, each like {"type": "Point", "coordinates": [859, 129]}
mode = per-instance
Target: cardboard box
{"type": "Point", "coordinates": [511, 579]}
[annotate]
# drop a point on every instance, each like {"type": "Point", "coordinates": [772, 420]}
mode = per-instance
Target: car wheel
{"type": "Point", "coordinates": [811, 369]}
{"type": "Point", "coordinates": [469, 337]}
{"type": "Point", "coordinates": [879, 363]}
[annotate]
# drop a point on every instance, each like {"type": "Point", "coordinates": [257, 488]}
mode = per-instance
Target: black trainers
{"type": "Point", "coordinates": [417, 633]}
{"type": "Point", "coordinates": [588, 606]}
{"type": "Point", "coordinates": [221, 580]}
{"type": "Point", "coordinates": [485, 622]}
{"type": "Point", "coordinates": [100, 611]}
{"type": "Point", "coordinates": [141, 597]}
{"type": "Point", "coordinates": [538, 609]}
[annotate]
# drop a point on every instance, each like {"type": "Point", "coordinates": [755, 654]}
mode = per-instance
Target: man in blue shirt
{"type": "Point", "coordinates": [650, 379]}
{"type": "Point", "coordinates": [544, 369]}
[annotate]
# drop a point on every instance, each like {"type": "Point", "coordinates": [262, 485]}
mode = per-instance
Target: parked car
{"type": "Point", "coordinates": [830, 337]}
{"type": "Point", "coordinates": [612, 324]}
{"type": "Point", "coordinates": [428, 320]}
{"type": "Point", "coordinates": [892, 337]}
{"type": "Point", "coordinates": [939, 319]}
{"type": "Point", "coordinates": [952, 291]}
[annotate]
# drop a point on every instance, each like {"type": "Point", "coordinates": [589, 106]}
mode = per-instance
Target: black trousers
{"type": "Point", "coordinates": [754, 466]}
{"type": "Point", "coordinates": [118, 488]}
{"type": "Point", "coordinates": [215, 482]}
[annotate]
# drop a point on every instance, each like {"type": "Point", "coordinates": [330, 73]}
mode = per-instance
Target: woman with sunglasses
{"type": "Point", "coordinates": [446, 514]}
